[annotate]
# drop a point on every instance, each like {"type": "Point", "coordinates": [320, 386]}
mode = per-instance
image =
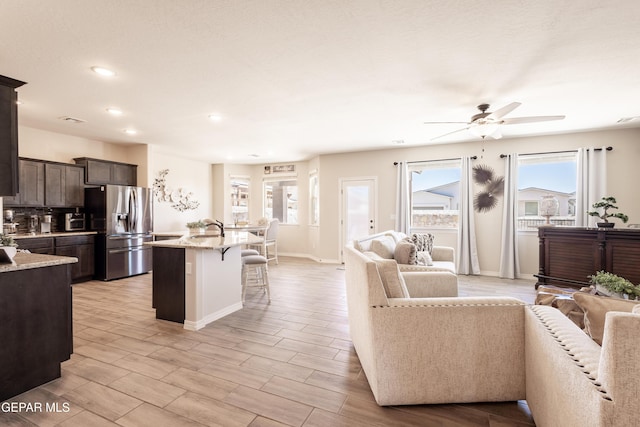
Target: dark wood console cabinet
{"type": "Point", "coordinates": [568, 255]}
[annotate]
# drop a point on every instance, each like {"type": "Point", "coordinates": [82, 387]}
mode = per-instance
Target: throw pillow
{"type": "Point", "coordinates": [423, 242]}
{"type": "Point", "coordinates": [384, 246]}
{"type": "Point", "coordinates": [424, 258]}
{"type": "Point", "coordinates": [595, 309]}
{"type": "Point", "coordinates": [405, 252]}
{"type": "Point", "coordinates": [392, 280]}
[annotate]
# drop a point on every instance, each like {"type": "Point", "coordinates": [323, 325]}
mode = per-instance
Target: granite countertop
{"type": "Point", "coordinates": [210, 240]}
{"type": "Point", "coordinates": [26, 261]}
{"type": "Point", "coordinates": [52, 234]}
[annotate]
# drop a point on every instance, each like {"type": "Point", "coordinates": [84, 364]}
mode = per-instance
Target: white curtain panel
{"type": "Point", "coordinates": [403, 210]}
{"type": "Point", "coordinates": [592, 183]}
{"type": "Point", "coordinates": [468, 253]}
{"type": "Point", "coordinates": [509, 265]}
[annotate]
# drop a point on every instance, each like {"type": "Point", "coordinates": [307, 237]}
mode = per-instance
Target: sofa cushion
{"type": "Point", "coordinates": [384, 246]}
{"type": "Point", "coordinates": [405, 252]}
{"type": "Point", "coordinates": [595, 309]}
{"type": "Point", "coordinates": [423, 242]}
{"type": "Point", "coordinates": [392, 280]}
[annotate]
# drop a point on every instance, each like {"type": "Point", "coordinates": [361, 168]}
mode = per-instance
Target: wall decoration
{"type": "Point", "coordinates": [180, 200]}
{"type": "Point", "coordinates": [487, 199]}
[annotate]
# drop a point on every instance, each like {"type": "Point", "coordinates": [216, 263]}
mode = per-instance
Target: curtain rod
{"type": "Point", "coordinates": [502, 156]}
{"type": "Point", "coordinates": [436, 160]}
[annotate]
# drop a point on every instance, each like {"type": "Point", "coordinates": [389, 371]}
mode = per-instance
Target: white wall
{"type": "Point", "coordinates": [189, 175]}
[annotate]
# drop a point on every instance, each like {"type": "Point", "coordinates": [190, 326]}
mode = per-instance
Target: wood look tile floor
{"type": "Point", "coordinates": [289, 363]}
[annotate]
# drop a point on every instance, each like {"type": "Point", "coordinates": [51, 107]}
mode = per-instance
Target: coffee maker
{"type": "Point", "coordinates": [9, 227]}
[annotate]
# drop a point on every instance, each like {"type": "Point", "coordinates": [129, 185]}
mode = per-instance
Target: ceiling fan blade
{"type": "Point", "coordinates": [450, 133]}
{"type": "Point", "coordinates": [498, 114]}
{"type": "Point", "coordinates": [532, 119]}
{"type": "Point", "coordinates": [441, 123]}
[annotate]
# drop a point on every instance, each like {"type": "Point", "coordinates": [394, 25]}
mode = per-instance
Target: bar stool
{"type": "Point", "coordinates": [247, 252]}
{"type": "Point", "coordinates": [254, 274]}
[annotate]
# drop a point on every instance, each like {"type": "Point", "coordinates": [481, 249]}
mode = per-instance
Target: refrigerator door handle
{"type": "Point", "coordinates": [133, 249]}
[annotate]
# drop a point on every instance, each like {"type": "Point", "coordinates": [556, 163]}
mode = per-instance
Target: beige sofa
{"type": "Point", "coordinates": [443, 256]}
{"type": "Point", "coordinates": [482, 349]}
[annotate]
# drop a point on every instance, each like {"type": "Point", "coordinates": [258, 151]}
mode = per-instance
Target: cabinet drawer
{"type": "Point", "coordinates": [38, 245]}
{"type": "Point", "coordinates": [75, 240]}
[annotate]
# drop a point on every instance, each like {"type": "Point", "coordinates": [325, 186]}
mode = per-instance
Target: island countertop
{"type": "Point", "coordinates": [209, 240]}
{"type": "Point", "coordinates": [25, 261]}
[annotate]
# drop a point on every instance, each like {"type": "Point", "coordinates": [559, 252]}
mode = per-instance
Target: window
{"type": "Point", "coordinates": [314, 204]}
{"type": "Point", "coordinates": [435, 193]}
{"type": "Point", "coordinates": [240, 199]}
{"type": "Point", "coordinates": [281, 201]}
{"type": "Point", "coordinates": [546, 176]}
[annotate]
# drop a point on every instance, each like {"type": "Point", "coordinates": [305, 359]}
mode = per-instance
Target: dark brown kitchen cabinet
{"type": "Point", "coordinates": [81, 247]}
{"type": "Point", "coordinates": [64, 185]}
{"type": "Point", "coordinates": [36, 327]}
{"type": "Point", "coordinates": [9, 175]}
{"type": "Point", "coordinates": [32, 185]}
{"type": "Point", "coordinates": [37, 245]}
{"type": "Point", "coordinates": [99, 172]}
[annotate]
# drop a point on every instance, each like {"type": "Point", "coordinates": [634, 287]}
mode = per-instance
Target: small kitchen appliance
{"type": "Point", "coordinates": [74, 222]}
{"type": "Point", "coordinates": [8, 226]}
{"type": "Point", "coordinates": [45, 224]}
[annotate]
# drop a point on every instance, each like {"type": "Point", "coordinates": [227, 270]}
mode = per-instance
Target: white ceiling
{"type": "Point", "coordinates": [296, 78]}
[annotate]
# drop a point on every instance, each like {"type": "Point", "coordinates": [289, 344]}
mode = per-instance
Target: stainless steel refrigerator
{"type": "Point", "coordinates": [122, 216]}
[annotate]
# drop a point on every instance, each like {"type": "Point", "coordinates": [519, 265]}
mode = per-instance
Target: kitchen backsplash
{"type": "Point", "coordinates": [22, 215]}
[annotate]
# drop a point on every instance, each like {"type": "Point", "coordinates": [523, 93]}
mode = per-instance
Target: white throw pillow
{"type": "Point", "coordinates": [384, 246]}
{"type": "Point", "coordinates": [424, 258]}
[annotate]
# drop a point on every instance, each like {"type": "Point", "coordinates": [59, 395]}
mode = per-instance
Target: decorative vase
{"type": "Point", "coordinates": [10, 251]}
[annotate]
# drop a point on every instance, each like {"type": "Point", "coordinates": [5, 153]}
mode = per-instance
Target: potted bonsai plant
{"type": "Point", "coordinates": [8, 245]}
{"type": "Point", "coordinates": [604, 205]}
{"type": "Point", "coordinates": [614, 286]}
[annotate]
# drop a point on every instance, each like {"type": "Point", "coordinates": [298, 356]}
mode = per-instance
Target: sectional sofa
{"type": "Point", "coordinates": [484, 349]}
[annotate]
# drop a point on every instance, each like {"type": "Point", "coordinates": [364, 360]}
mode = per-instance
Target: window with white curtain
{"type": "Point", "coordinates": [435, 193]}
{"type": "Point", "coordinates": [548, 175]}
{"type": "Point", "coordinates": [281, 200]}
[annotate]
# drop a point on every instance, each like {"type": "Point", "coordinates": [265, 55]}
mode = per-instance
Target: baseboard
{"type": "Point", "coordinates": [311, 257]}
{"type": "Point", "coordinates": [194, 326]}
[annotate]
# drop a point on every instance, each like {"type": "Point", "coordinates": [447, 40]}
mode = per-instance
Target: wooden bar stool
{"type": "Point", "coordinates": [247, 252]}
{"type": "Point", "coordinates": [255, 274]}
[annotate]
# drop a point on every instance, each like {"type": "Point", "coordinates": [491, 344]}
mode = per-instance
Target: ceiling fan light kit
{"type": "Point", "coordinates": [485, 123]}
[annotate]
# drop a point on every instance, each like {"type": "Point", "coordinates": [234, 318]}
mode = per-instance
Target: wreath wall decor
{"type": "Point", "coordinates": [487, 199]}
{"type": "Point", "coordinates": [179, 199]}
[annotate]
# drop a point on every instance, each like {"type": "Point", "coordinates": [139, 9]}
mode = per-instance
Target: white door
{"type": "Point", "coordinates": [358, 209]}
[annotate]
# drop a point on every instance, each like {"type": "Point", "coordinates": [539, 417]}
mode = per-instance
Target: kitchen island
{"type": "Point", "coordinates": [197, 278]}
{"type": "Point", "coordinates": [35, 321]}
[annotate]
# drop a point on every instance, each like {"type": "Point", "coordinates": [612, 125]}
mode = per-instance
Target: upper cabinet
{"type": "Point", "coordinates": [99, 172]}
{"type": "Point", "coordinates": [9, 136]}
{"type": "Point", "coordinates": [48, 184]}
{"type": "Point", "coordinates": [65, 185]}
{"type": "Point", "coordinates": [31, 189]}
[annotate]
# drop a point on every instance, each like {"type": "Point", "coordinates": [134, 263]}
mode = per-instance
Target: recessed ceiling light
{"type": "Point", "coordinates": [103, 71]}
{"type": "Point", "coordinates": [215, 117]}
{"type": "Point", "coordinates": [114, 111]}
{"type": "Point", "coordinates": [130, 131]}
{"type": "Point", "coordinates": [72, 119]}
{"type": "Point", "coordinates": [398, 141]}
{"type": "Point", "coordinates": [254, 155]}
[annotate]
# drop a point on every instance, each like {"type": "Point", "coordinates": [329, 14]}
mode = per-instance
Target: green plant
{"type": "Point", "coordinates": [6, 240]}
{"type": "Point", "coordinates": [605, 204]}
{"type": "Point", "coordinates": [196, 224]}
{"type": "Point", "coordinates": [615, 283]}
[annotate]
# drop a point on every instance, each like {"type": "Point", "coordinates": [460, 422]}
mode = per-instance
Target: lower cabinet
{"type": "Point", "coordinates": [79, 246]}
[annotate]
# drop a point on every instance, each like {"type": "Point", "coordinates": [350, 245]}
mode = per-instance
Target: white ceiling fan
{"type": "Point", "coordinates": [488, 123]}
